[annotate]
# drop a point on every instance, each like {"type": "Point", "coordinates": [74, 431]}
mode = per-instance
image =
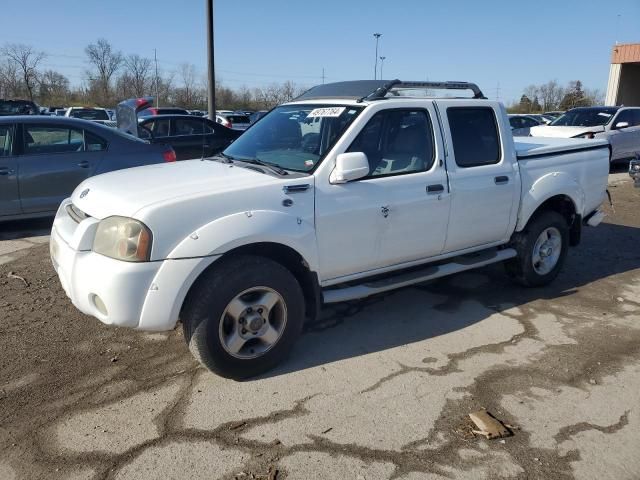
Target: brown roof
{"type": "Point", "coordinates": [626, 53]}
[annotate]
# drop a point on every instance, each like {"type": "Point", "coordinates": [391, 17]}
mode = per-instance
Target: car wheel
{"type": "Point", "coordinates": [243, 316]}
{"type": "Point", "coordinates": [542, 248]}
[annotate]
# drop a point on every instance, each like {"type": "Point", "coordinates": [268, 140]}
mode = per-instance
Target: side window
{"type": "Point", "coordinates": [6, 136]}
{"type": "Point", "coordinates": [624, 116]}
{"type": "Point", "coordinates": [529, 122]}
{"type": "Point", "coordinates": [475, 136]}
{"type": "Point", "coordinates": [187, 126]}
{"type": "Point", "coordinates": [42, 139]}
{"type": "Point", "coordinates": [396, 142]}
{"type": "Point", "coordinates": [159, 127]}
{"type": "Point", "coordinates": [515, 122]}
{"type": "Point", "coordinates": [636, 117]}
{"type": "Point", "coordinates": [93, 143]}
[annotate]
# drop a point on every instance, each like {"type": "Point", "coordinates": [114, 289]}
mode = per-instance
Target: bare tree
{"type": "Point", "coordinates": [54, 88]}
{"type": "Point", "coordinates": [138, 73]}
{"type": "Point", "coordinates": [551, 94]}
{"type": "Point", "coordinates": [26, 60]}
{"type": "Point", "coordinates": [106, 62]}
{"type": "Point", "coordinates": [10, 83]}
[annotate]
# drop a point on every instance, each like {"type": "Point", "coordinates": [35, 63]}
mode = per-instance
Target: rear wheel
{"type": "Point", "coordinates": [243, 316]}
{"type": "Point", "coordinates": [542, 247]}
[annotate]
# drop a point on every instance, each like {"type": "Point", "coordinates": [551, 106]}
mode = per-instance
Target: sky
{"type": "Point", "coordinates": [503, 46]}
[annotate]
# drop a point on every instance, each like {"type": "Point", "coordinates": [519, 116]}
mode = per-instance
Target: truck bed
{"type": "Point", "coordinates": [531, 147]}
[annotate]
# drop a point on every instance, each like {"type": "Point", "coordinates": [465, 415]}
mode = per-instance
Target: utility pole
{"type": "Point", "coordinates": [381, 66]}
{"type": "Point", "coordinates": [211, 96]}
{"type": "Point", "coordinates": [155, 59]}
{"type": "Point", "coordinates": [375, 67]}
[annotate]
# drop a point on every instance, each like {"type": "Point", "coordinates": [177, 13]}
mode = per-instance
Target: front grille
{"type": "Point", "coordinates": [75, 213]}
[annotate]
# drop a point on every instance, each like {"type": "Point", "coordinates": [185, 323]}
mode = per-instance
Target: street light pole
{"type": "Point", "coordinates": [381, 66]}
{"type": "Point", "coordinates": [211, 96]}
{"type": "Point", "coordinates": [375, 67]}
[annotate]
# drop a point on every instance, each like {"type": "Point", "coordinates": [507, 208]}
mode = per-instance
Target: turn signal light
{"type": "Point", "coordinates": [169, 156]}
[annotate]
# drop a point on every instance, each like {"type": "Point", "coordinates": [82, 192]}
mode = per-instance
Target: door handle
{"type": "Point", "coordinates": [436, 188]}
{"type": "Point", "coordinates": [83, 164]}
{"type": "Point", "coordinates": [501, 180]}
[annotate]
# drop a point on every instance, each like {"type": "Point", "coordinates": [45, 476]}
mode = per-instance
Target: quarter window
{"type": "Point", "coordinates": [396, 142]}
{"type": "Point", "coordinates": [187, 126]}
{"type": "Point", "coordinates": [475, 136]}
{"type": "Point", "coordinates": [93, 143]}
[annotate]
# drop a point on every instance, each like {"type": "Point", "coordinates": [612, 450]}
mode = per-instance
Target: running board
{"type": "Point", "coordinates": [456, 265]}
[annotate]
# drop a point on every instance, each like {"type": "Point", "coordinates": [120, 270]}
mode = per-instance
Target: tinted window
{"type": "Point", "coordinates": [529, 122]}
{"type": "Point", "coordinates": [626, 116]}
{"type": "Point", "coordinates": [586, 117]}
{"type": "Point", "coordinates": [5, 140]}
{"type": "Point", "coordinates": [43, 139]}
{"type": "Point", "coordinates": [93, 143]}
{"type": "Point", "coordinates": [187, 126]}
{"type": "Point", "coordinates": [636, 117]}
{"type": "Point", "coordinates": [159, 127]}
{"type": "Point", "coordinates": [89, 114]}
{"type": "Point", "coordinates": [475, 135]}
{"type": "Point", "coordinates": [238, 119]}
{"type": "Point", "coordinates": [396, 141]}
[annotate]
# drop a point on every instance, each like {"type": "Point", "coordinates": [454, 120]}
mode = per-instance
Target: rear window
{"type": "Point", "coordinates": [474, 132]}
{"type": "Point", "coordinates": [89, 114]}
{"type": "Point", "coordinates": [238, 118]}
{"type": "Point", "coordinates": [17, 107]}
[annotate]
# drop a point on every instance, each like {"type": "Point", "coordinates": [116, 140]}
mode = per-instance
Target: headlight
{"type": "Point", "coordinates": [123, 239]}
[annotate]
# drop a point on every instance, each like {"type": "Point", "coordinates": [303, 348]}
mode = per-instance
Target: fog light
{"type": "Point", "coordinates": [99, 304]}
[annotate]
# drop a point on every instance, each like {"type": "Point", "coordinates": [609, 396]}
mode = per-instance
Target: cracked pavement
{"type": "Point", "coordinates": [377, 389]}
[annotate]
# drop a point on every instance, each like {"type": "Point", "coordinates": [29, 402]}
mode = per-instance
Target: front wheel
{"type": "Point", "coordinates": [542, 248]}
{"type": "Point", "coordinates": [243, 316]}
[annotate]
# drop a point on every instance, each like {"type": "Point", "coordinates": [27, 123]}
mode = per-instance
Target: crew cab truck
{"type": "Point", "coordinates": [352, 189]}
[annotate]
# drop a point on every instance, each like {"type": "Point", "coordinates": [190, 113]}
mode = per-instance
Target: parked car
{"type": "Point", "coordinates": [42, 159]}
{"type": "Point", "coordinates": [521, 124]}
{"type": "Point", "coordinates": [151, 111]}
{"type": "Point", "coordinates": [554, 114]}
{"type": "Point", "coordinates": [93, 114]}
{"type": "Point", "coordinates": [255, 116]}
{"type": "Point", "coordinates": [344, 193]}
{"type": "Point", "coordinates": [620, 126]}
{"type": "Point", "coordinates": [18, 107]}
{"type": "Point", "coordinates": [234, 121]}
{"type": "Point", "coordinates": [190, 137]}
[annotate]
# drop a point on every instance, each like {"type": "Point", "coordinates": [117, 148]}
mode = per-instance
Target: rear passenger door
{"type": "Point", "coordinates": [483, 179]}
{"type": "Point", "coordinates": [52, 163]}
{"type": "Point", "coordinates": [9, 194]}
{"type": "Point", "coordinates": [625, 141]}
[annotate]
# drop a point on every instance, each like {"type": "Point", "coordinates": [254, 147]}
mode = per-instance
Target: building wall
{"type": "Point", "coordinates": [624, 76]}
{"type": "Point", "coordinates": [629, 91]}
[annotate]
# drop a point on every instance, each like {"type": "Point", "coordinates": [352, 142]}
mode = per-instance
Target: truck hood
{"type": "Point", "coordinates": [563, 132]}
{"type": "Point", "coordinates": [125, 192]}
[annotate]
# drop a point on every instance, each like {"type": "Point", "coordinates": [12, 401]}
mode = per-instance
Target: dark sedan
{"type": "Point", "coordinates": [43, 159]}
{"type": "Point", "coordinates": [190, 137]}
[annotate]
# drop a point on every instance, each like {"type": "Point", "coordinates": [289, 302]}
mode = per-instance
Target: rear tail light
{"type": "Point", "coordinates": [169, 155]}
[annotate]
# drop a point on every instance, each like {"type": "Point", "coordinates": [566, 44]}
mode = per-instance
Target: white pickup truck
{"type": "Point", "coordinates": [353, 189]}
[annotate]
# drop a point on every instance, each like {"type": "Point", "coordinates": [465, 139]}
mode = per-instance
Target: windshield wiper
{"type": "Point", "coordinates": [223, 157]}
{"type": "Point", "coordinates": [271, 166]}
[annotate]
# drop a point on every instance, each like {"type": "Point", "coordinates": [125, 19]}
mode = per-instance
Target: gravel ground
{"type": "Point", "coordinates": [378, 389]}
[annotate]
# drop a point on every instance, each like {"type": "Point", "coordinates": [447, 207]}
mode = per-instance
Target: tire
{"type": "Point", "coordinates": [523, 268]}
{"type": "Point", "coordinates": [243, 316]}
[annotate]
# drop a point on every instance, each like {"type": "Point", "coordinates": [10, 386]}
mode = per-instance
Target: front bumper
{"type": "Point", "coordinates": [145, 296]}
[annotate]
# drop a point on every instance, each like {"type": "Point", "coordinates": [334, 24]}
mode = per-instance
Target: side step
{"type": "Point", "coordinates": [457, 264]}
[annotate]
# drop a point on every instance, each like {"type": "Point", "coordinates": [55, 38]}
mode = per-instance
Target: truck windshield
{"type": "Point", "coordinates": [294, 137]}
{"type": "Point", "coordinates": [588, 117]}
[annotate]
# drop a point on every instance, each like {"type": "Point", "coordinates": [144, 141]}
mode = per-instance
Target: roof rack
{"type": "Point", "coordinates": [395, 85]}
{"type": "Point", "coordinates": [362, 90]}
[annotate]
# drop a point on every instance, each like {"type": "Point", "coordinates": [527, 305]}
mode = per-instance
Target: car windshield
{"type": "Point", "coordinates": [587, 117]}
{"type": "Point", "coordinates": [90, 114]}
{"type": "Point", "coordinates": [294, 137]}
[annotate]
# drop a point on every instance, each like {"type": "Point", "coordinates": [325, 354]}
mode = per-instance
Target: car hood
{"type": "Point", "coordinates": [562, 131]}
{"type": "Point", "coordinates": [125, 192]}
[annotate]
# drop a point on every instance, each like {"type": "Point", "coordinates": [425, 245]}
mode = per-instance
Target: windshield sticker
{"type": "Point", "coordinates": [326, 112]}
{"type": "Point", "coordinates": [604, 114]}
{"type": "Point", "coordinates": [308, 163]}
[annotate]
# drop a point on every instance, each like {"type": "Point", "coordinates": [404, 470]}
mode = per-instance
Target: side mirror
{"type": "Point", "coordinates": [350, 166]}
{"type": "Point", "coordinates": [621, 125]}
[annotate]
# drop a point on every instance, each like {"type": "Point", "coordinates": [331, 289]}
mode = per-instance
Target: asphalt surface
{"type": "Point", "coordinates": [378, 389]}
